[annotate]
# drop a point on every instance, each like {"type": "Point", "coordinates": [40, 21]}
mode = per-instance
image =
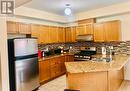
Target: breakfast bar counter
{"type": "Point", "coordinates": [97, 75]}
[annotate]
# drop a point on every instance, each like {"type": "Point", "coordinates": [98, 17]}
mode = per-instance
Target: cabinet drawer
{"type": "Point", "coordinates": [54, 62]}
{"type": "Point", "coordinates": [55, 71]}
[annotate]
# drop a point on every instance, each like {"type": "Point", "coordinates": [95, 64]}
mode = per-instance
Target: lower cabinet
{"type": "Point", "coordinates": [44, 70]}
{"type": "Point", "coordinates": [69, 58]}
{"type": "Point", "coordinates": [53, 67]}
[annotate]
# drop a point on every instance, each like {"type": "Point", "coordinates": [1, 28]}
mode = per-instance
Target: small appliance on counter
{"type": "Point", "coordinates": [85, 54]}
{"type": "Point", "coordinates": [23, 64]}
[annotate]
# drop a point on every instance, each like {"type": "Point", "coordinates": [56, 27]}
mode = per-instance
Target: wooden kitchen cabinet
{"type": "Point", "coordinates": [24, 28]}
{"type": "Point", "coordinates": [69, 58]}
{"type": "Point", "coordinates": [73, 34]}
{"type": "Point", "coordinates": [44, 34]}
{"type": "Point", "coordinates": [61, 34]}
{"type": "Point", "coordinates": [62, 64]}
{"type": "Point", "coordinates": [53, 34]}
{"type": "Point", "coordinates": [68, 34]}
{"type": "Point", "coordinates": [107, 31]}
{"type": "Point", "coordinates": [112, 30]}
{"type": "Point", "coordinates": [81, 30]}
{"type": "Point", "coordinates": [12, 27]}
{"type": "Point", "coordinates": [99, 34]}
{"type": "Point", "coordinates": [84, 29]}
{"type": "Point", "coordinates": [18, 28]}
{"type": "Point", "coordinates": [35, 32]}
{"type": "Point", "coordinates": [53, 67]}
{"type": "Point", "coordinates": [44, 70]}
{"type": "Point", "coordinates": [89, 29]}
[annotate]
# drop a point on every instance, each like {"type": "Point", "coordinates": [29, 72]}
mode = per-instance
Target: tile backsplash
{"type": "Point", "coordinates": [119, 47]}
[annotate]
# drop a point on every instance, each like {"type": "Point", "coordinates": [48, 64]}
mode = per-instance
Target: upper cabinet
{"type": "Point", "coordinates": [24, 28]}
{"type": "Point", "coordinates": [89, 29]}
{"type": "Point", "coordinates": [61, 34]}
{"type": "Point", "coordinates": [35, 32]}
{"type": "Point", "coordinates": [70, 34]}
{"type": "Point", "coordinates": [73, 34]}
{"type": "Point", "coordinates": [18, 28]}
{"type": "Point", "coordinates": [102, 32]}
{"type": "Point", "coordinates": [84, 29]}
{"type": "Point", "coordinates": [12, 27]}
{"type": "Point", "coordinates": [48, 34]}
{"type": "Point", "coordinates": [112, 30]}
{"type": "Point", "coordinates": [80, 30]}
{"type": "Point", "coordinates": [108, 31]}
{"type": "Point", "coordinates": [99, 34]}
{"type": "Point", "coordinates": [53, 34]}
{"type": "Point", "coordinates": [44, 34]}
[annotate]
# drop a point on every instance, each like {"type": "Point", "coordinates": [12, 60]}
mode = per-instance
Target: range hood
{"type": "Point", "coordinates": [85, 37]}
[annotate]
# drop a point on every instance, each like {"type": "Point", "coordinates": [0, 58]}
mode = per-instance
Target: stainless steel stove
{"type": "Point", "coordinates": [85, 54]}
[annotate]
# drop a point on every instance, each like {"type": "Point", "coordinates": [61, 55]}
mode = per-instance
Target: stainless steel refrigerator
{"type": "Point", "coordinates": [23, 64]}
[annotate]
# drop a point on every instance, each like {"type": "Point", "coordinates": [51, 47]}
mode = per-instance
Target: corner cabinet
{"type": "Point", "coordinates": [107, 31]}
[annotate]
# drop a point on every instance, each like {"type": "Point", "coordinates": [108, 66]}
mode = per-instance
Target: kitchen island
{"type": "Point", "coordinates": [96, 75]}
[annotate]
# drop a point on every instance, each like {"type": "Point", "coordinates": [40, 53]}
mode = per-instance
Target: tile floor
{"type": "Point", "coordinates": [59, 84]}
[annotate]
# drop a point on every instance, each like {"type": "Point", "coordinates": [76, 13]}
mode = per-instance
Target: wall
{"type": "Point", "coordinates": [38, 14]}
{"type": "Point", "coordinates": [3, 54]}
{"type": "Point", "coordinates": [0, 76]}
{"type": "Point", "coordinates": [125, 24]}
{"type": "Point", "coordinates": [105, 11]}
{"type": "Point", "coordinates": [35, 21]}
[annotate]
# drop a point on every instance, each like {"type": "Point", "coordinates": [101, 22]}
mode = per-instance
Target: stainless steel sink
{"type": "Point", "coordinates": [104, 59]}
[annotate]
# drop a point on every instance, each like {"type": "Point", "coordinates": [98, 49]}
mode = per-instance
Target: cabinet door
{"type": "Point", "coordinates": [53, 34]}
{"type": "Point", "coordinates": [44, 34]}
{"type": "Point", "coordinates": [12, 27]}
{"type": "Point", "coordinates": [89, 29]}
{"type": "Point", "coordinates": [44, 70]}
{"type": "Point", "coordinates": [69, 58]}
{"type": "Point", "coordinates": [62, 64]}
{"type": "Point", "coordinates": [55, 67]}
{"type": "Point", "coordinates": [35, 32]}
{"type": "Point", "coordinates": [81, 30]}
{"type": "Point", "coordinates": [61, 34]}
{"type": "Point", "coordinates": [73, 34]}
{"type": "Point", "coordinates": [99, 33]}
{"type": "Point", "coordinates": [24, 28]}
{"type": "Point", "coordinates": [68, 34]}
{"type": "Point", "coordinates": [112, 30]}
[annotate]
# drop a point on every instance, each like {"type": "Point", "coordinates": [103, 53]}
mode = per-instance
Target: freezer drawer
{"type": "Point", "coordinates": [26, 73]}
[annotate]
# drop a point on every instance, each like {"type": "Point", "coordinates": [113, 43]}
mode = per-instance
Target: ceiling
{"type": "Point", "coordinates": [58, 6]}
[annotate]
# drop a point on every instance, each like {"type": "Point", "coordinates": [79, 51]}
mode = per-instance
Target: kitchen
{"type": "Point", "coordinates": [60, 38]}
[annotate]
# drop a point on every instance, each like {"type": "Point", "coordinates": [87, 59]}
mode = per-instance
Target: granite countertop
{"type": "Point", "coordinates": [117, 63]}
{"type": "Point", "coordinates": [54, 56]}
